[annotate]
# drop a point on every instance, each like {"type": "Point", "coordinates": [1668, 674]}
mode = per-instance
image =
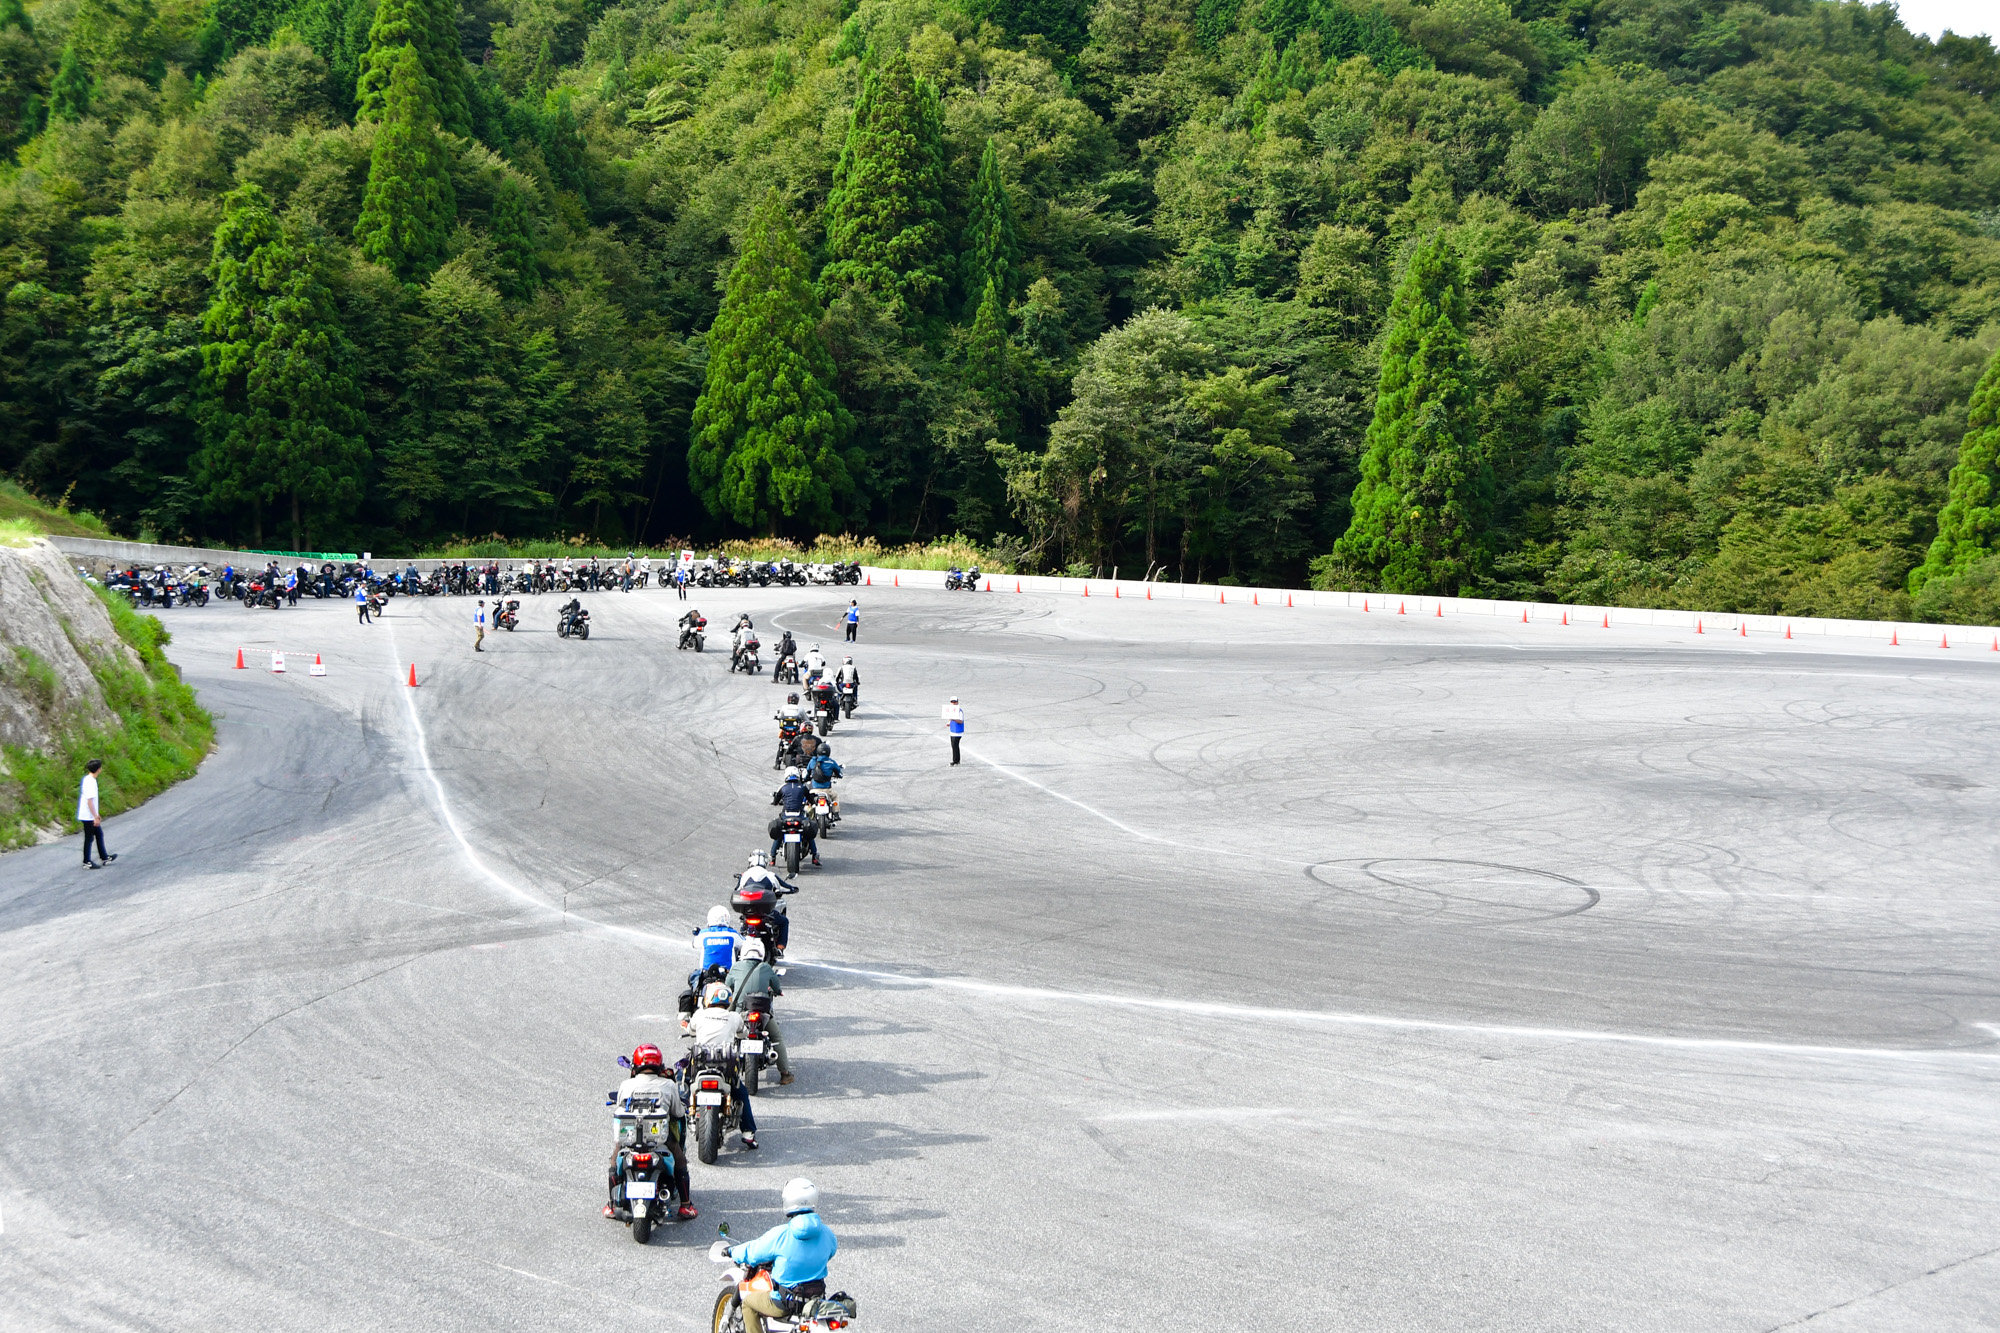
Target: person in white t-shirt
{"type": "Point", "coordinates": [89, 814]}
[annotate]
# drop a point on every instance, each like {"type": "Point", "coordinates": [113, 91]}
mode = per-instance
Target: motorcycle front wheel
{"type": "Point", "coordinates": [708, 1135]}
{"type": "Point", "coordinates": [728, 1312]}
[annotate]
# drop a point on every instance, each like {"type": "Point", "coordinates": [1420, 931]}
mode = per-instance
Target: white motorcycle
{"type": "Point", "coordinates": [816, 1314]}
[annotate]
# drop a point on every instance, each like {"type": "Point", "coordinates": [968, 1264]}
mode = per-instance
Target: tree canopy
{"type": "Point", "coordinates": [1666, 302]}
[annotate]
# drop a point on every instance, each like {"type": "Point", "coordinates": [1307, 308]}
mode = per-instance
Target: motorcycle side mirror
{"type": "Point", "coordinates": [722, 1229]}
{"type": "Point", "coordinates": [624, 1062]}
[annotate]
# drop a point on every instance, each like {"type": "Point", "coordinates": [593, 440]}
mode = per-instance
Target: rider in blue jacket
{"type": "Point", "coordinates": [821, 770]}
{"type": "Point", "coordinates": [797, 1252]}
{"type": "Point", "coordinates": [792, 796]}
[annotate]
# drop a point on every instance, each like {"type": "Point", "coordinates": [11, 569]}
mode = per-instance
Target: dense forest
{"type": "Point", "coordinates": [1670, 302]}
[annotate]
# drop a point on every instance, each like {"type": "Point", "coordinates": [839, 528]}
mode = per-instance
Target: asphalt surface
{"type": "Point", "coordinates": [1258, 968]}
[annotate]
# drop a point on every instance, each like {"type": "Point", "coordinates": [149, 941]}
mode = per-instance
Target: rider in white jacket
{"type": "Point", "coordinates": [716, 1028]}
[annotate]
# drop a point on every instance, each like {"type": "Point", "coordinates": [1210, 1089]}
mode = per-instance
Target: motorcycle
{"type": "Point", "coordinates": [792, 829]}
{"type": "Point", "coordinates": [710, 1092]}
{"type": "Point", "coordinates": [746, 658]}
{"type": "Point", "coordinates": [815, 1314]}
{"type": "Point", "coordinates": [691, 635]}
{"type": "Point", "coordinates": [789, 749]}
{"type": "Point", "coordinates": [759, 909]}
{"type": "Point", "coordinates": [506, 615]}
{"type": "Point", "coordinates": [850, 695]}
{"type": "Point", "coordinates": [644, 1162]}
{"type": "Point", "coordinates": [826, 710]}
{"type": "Point", "coordinates": [756, 1037]}
{"type": "Point", "coordinates": [825, 812]}
{"type": "Point", "coordinates": [787, 672]}
{"type": "Point", "coordinates": [574, 623]}
{"type": "Point", "coordinates": [954, 581]}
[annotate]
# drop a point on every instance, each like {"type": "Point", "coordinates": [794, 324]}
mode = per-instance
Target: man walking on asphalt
{"type": "Point", "coordinates": [853, 619]}
{"type": "Point", "coordinates": [954, 720]}
{"type": "Point", "coordinates": [479, 620]}
{"type": "Point", "coordinates": [361, 601]}
{"type": "Point", "coordinates": [88, 815]}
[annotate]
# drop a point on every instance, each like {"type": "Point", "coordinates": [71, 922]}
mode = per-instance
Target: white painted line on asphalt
{"type": "Point", "coordinates": [1204, 1113]}
{"type": "Point", "coordinates": [1335, 1018]}
{"type": "Point", "coordinates": [465, 848]}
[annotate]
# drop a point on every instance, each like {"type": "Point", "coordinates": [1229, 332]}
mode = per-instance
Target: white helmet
{"type": "Point", "coordinates": [754, 948]}
{"type": "Point", "coordinates": [760, 858]}
{"type": "Point", "coordinates": [801, 1196]}
{"type": "Point", "coordinates": [715, 995]}
{"type": "Point", "coordinates": [792, 774]}
{"type": "Point", "coordinates": [718, 915]}
{"type": "Point", "coordinates": [815, 648]}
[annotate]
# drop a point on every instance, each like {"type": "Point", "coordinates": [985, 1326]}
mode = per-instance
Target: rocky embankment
{"type": "Point", "coordinates": [80, 679]}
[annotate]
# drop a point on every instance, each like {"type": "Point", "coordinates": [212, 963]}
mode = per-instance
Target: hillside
{"type": "Point", "coordinates": [1671, 302]}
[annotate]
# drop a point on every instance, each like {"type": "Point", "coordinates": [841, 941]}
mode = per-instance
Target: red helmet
{"type": "Point", "coordinates": [648, 1057]}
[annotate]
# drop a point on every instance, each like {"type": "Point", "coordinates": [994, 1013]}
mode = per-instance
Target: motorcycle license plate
{"type": "Point", "coordinates": [708, 1099]}
{"type": "Point", "coordinates": [642, 1189]}
{"type": "Point", "coordinates": [791, 837]}
{"type": "Point", "coordinates": [753, 1047]}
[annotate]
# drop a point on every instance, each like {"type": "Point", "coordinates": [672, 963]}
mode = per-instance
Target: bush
{"type": "Point", "coordinates": [1968, 598]}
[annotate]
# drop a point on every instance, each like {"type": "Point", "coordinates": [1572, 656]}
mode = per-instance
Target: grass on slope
{"type": "Point", "coordinates": [162, 735]}
{"type": "Point", "coordinates": [946, 553]}
{"type": "Point", "coordinates": [22, 515]}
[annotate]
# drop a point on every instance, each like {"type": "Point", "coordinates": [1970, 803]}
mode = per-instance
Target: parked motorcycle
{"type": "Point", "coordinates": [644, 1162]}
{"type": "Point", "coordinates": [954, 581]}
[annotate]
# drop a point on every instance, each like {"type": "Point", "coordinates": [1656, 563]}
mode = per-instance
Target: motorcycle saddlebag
{"type": "Point", "coordinates": [686, 1002]}
{"type": "Point", "coordinates": [839, 1306]}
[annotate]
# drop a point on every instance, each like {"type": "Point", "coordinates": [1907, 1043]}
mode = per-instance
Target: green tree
{"type": "Point", "coordinates": [1424, 483]}
{"type": "Point", "coordinates": [991, 248]}
{"type": "Point", "coordinates": [767, 427]}
{"type": "Point", "coordinates": [513, 229]}
{"type": "Point", "coordinates": [409, 209]}
{"type": "Point", "coordinates": [885, 214]}
{"type": "Point", "coordinates": [431, 27]}
{"type": "Point", "coordinates": [69, 92]}
{"type": "Point", "coordinates": [279, 410]}
{"type": "Point", "coordinates": [1969, 524]}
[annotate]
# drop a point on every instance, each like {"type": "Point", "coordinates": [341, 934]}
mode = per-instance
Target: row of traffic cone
{"type": "Point", "coordinates": [319, 665]}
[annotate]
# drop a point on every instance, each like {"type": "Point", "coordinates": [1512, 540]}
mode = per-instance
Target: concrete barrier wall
{"type": "Point", "coordinates": [1709, 622]}
{"type": "Point", "coordinates": [103, 555]}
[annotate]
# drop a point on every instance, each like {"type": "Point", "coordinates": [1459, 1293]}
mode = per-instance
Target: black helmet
{"type": "Point", "coordinates": [792, 698]}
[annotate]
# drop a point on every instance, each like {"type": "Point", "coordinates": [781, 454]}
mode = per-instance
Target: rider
{"type": "Point", "coordinates": [849, 677]}
{"type": "Point", "coordinates": [796, 1251]}
{"type": "Point", "coordinates": [792, 796]}
{"type": "Point", "coordinates": [691, 623]}
{"type": "Point", "coordinates": [739, 639]}
{"type": "Point", "coordinates": [718, 941]}
{"type": "Point", "coordinates": [791, 720]}
{"type": "Point", "coordinates": [814, 664]}
{"type": "Point", "coordinates": [753, 976]}
{"type": "Point", "coordinates": [716, 1027]}
{"type": "Point", "coordinates": [786, 648]}
{"type": "Point", "coordinates": [762, 875]}
{"type": "Point", "coordinates": [820, 771]}
{"type": "Point", "coordinates": [649, 1079]}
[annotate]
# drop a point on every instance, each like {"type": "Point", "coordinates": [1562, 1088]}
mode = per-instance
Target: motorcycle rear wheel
{"type": "Point", "coordinates": [752, 1067]}
{"type": "Point", "coordinates": [708, 1135]}
{"type": "Point", "coordinates": [642, 1227]}
{"type": "Point", "coordinates": [792, 858]}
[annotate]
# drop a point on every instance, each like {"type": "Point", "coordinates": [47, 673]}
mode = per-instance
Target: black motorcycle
{"type": "Point", "coordinates": [954, 581]}
{"type": "Point", "coordinates": [573, 623]}
{"type": "Point", "coordinates": [760, 908]}
{"type": "Point", "coordinates": [746, 658]}
{"type": "Point", "coordinates": [826, 708]}
{"type": "Point", "coordinates": [792, 830]}
{"type": "Point", "coordinates": [691, 635]}
{"type": "Point", "coordinates": [709, 1085]}
{"type": "Point", "coordinates": [850, 695]}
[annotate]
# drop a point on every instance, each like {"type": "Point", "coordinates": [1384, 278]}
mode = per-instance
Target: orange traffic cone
{"type": "Point", "coordinates": [1149, 592]}
{"type": "Point", "coordinates": [1892, 640]}
{"type": "Point", "coordinates": [1743, 628]}
{"type": "Point", "coordinates": [413, 675]}
{"type": "Point", "coordinates": [1254, 601]}
{"type": "Point", "coordinates": [1086, 590]}
{"type": "Point", "coordinates": [1565, 616]}
{"type": "Point", "coordinates": [1944, 641]}
{"type": "Point", "coordinates": [899, 580]}
{"type": "Point", "coordinates": [1115, 594]}
{"type": "Point", "coordinates": [1288, 599]}
{"type": "Point", "coordinates": [1697, 627]}
{"type": "Point", "coordinates": [1017, 585]}
{"type": "Point", "coordinates": [1440, 610]}
{"type": "Point", "coordinates": [1607, 620]}
{"type": "Point", "coordinates": [1788, 631]}
{"type": "Point", "coordinates": [1399, 609]}
{"type": "Point", "coordinates": [1222, 597]}
{"type": "Point", "coordinates": [239, 659]}
{"type": "Point", "coordinates": [989, 585]}
{"type": "Point", "coordinates": [1524, 615]}
{"type": "Point", "coordinates": [871, 581]}
{"type": "Point", "coordinates": [1364, 604]}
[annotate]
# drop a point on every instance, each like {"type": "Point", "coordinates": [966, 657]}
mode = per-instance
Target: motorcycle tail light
{"type": "Point", "coordinates": [711, 1085]}
{"type": "Point", "coordinates": [753, 921]}
{"type": "Point", "coordinates": [642, 1159]}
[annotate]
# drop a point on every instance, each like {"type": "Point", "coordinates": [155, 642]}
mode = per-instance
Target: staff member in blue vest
{"type": "Point", "coordinates": [954, 721]}
{"type": "Point", "coordinates": [853, 619]}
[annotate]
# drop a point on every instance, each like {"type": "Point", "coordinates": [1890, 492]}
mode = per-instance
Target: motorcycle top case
{"type": "Point", "coordinates": [753, 899]}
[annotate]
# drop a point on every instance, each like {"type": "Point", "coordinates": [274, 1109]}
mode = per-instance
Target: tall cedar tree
{"type": "Point", "coordinates": [1424, 483]}
{"type": "Point", "coordinates": [513, 231]}
{"type": "Point", "coordinates": [279, 410]}
{"type": "Point", "coordinates": [768, 426]}
{"type": "Point", "coordinates": [1969, 524]}
{"type": "Point", "coordinates": [885, 216]}
{"type": "Point", "coordinates": [431, 26]}
{"type": "Point", "coordinates": [991, 249]}
{"type": "Point", "coordinates": [69, 92]}
{"type": "Point", "coordinates": [989, 360]}
{"type": "Point", "coordinates": [409, 211]}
